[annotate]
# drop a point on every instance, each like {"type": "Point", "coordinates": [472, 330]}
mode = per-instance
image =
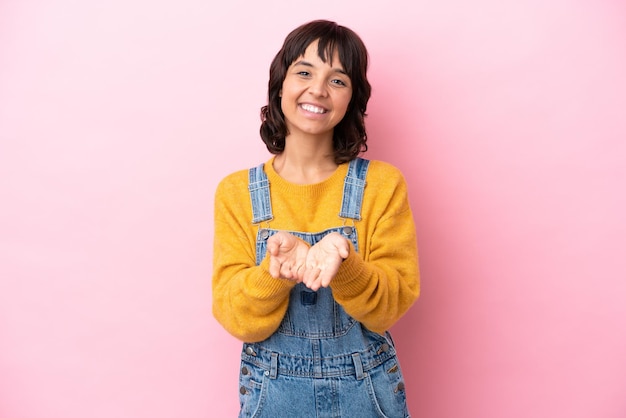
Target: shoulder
{"type": "Point", "coordinates": [385, 182]}
{"type": "Point", "coordinates": [232, 197]}
{"type": "Point", "coordinates": [233, 180]}
{"type": "Point", "coordinates": [239, 177]}
{"type": "Point", "coordinates": [234, 183]}
{"type": "Point", "coordinates": [384, 172]}
{"type": "Point", "coordinates": [386, 191]}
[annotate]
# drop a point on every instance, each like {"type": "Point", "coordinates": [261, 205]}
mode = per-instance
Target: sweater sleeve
{"type": "Point", "coordinates": [247, 301]}
{"type": "Point", "coordinates": [378, 285]}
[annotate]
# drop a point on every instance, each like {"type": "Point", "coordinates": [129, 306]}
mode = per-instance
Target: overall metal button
{"type": "Point", "coordinates": [264, 233]}
{"type": "Point", "coordinates": [347, 230]}
{"type": "Point", "coordinates": [243, 390]}
{"type": "Point", "coordinates": [250, 351]}
{"type": "Point", "coordinates": [400, 387]}
{"type": "Point", "coordinates": [383, 348]}
{"type": "Point", "coordinates": [244, 370]}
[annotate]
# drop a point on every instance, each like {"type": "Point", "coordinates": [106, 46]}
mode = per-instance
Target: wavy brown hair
{"type": "Point", "coordinates": [349, 136]}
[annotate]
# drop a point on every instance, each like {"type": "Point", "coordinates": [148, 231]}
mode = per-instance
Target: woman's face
{"type": "Point", "coordinates": [315, 95]}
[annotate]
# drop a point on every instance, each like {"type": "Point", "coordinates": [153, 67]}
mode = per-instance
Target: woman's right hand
{"type": "Point", "coordinates": [287, 255]}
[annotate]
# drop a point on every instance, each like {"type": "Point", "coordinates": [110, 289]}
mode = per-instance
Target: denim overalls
{"type": "Point", "coordinates": [320, 362]}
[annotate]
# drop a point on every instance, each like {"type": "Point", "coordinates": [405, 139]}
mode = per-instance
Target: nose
{"type": "Point", "coordinates": [318, 87]}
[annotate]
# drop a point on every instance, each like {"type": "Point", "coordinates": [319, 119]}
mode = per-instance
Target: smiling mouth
{"type": "Point", "coordinates": [313, 109]}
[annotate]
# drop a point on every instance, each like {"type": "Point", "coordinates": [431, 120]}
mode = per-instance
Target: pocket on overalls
{"type": "Point", "coordinates": [388, 386]}
{"type": "Point", "coordinates": [251, 389]}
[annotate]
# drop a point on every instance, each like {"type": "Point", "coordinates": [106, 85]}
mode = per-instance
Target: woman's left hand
{"type": "Point", "coordinates": [323, 260]}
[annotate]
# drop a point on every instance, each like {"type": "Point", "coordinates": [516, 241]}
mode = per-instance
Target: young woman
{"type": "Point", "coordinates": [315, 254]}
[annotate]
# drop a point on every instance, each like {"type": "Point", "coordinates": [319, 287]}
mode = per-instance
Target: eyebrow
{"type": "Point", "coordinates": [308, 64]}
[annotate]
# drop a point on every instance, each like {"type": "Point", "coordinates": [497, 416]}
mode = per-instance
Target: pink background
{"type": "Point", "coordinates": [118, 118]}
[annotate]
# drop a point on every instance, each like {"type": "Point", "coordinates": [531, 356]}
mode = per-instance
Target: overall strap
{"type": "Point", "coordinates": [353, 188]}
{"type": "Point", "coordinates": [259, 187]}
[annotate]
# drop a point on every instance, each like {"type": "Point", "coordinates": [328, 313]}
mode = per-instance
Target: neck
{"type": "Point", "coordinates": [305, 161]}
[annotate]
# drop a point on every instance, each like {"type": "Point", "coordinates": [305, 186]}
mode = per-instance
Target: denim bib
{"type": "Point", "coordinates": [320, 362]}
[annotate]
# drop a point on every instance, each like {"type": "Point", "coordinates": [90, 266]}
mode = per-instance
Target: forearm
{"type": "Point", "coordinates": [378, 285]}
{"type": "Point", "coordinates": [249, 303]}
{"type": "Point", "coordinates": [375, 295]}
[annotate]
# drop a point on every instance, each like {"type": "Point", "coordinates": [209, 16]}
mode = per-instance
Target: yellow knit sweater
{"type": "Point", "coordinates": [375, 286]}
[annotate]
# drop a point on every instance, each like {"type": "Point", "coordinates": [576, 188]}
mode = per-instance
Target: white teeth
{"type": "Point", "coordinates": [314, 109]}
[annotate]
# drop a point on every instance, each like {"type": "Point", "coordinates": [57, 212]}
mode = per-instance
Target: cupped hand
{"type": "Point", "coordinates": [288, 254]}
{"type": "Point", "coordinates": [323, 260]}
